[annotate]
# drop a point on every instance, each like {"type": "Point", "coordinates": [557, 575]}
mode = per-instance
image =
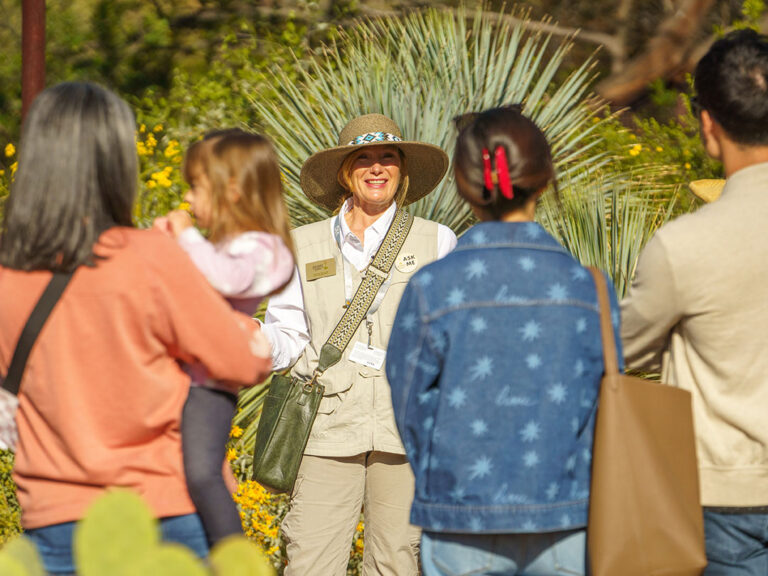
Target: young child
{"type": "Point", "coordinates": [236, 195]}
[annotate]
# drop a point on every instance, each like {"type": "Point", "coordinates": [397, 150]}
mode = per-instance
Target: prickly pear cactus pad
{"type": "Point", "coordinates": [237, 556]}
{"type": "Point", "coordinates": [10, 566]}
{"type": "Point", "coordinates": [117, 531]}
{"type": "Point", "coordinates": [19, 557]}
{"type": "Point", "coordinates": [169, 560]}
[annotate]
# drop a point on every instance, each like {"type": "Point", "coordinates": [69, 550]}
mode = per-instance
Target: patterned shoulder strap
{"type": "Point", "coordinates": [374, 277]}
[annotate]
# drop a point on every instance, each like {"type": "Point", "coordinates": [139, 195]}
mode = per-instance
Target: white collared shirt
{"type": "Point", "coordinates": [285, 324]}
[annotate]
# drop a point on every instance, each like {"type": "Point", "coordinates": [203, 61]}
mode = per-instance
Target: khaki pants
{"type": "Point", "coordinates": [325, 508]}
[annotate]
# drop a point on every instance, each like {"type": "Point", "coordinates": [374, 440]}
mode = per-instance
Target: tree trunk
{"type": "Point", "coordinates": [665, 54]}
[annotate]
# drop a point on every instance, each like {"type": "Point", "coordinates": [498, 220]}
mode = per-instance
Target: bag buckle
{"type": "Point", "coordinates": [307, 388]}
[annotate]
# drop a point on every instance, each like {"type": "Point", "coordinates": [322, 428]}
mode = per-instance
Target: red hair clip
{"type": "Point", "coordinates": [502, 172]}
{"type": "Point", "coordinates": [487, 175]}
{"type": "Point", "coordinates": [501, 176]}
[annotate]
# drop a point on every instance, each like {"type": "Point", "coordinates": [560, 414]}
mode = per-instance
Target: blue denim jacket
{"type": "Point", "coordinates": [495, 360]}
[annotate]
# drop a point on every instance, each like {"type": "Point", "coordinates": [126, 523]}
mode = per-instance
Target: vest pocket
{"type": "Point", "coordinates": [329, 404]}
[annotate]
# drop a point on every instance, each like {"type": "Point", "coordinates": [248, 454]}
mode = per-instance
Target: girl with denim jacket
{"type": "Point", "coordinates": [494, 362]}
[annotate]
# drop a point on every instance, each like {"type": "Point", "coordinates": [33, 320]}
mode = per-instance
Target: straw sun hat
{"type": "Point", "coordinates": [708, 189]}
{"type": "Point", "coordinates": [426, 164]}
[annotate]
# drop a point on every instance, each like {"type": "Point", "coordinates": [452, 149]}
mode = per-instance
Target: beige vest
{"type": "Point", "coordinates": [355, 415]}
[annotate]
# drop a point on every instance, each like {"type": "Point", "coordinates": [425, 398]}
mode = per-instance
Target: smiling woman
{"type": "Point", "coordinates": [354, 457]}
{"type": "Point", "coordinates": [373, 175]}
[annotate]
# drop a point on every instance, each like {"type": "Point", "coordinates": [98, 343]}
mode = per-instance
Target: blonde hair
{"type": "Point", "coordinates": [344, 177]}
{"type": "Point", "coordinates": [248, 164]}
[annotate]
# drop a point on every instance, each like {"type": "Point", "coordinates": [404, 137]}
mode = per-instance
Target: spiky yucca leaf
{"type": "Point", "coordinates": [422, 70]}
{"type": "Point", "coordinates": [606, 221]}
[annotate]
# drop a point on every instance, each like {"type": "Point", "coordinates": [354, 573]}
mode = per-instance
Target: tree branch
{"type": "Point", "coordinates": [665, 54]}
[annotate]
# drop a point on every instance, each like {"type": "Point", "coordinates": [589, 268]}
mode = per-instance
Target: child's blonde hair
{"type": "Point", "coordinates": [246, 185]}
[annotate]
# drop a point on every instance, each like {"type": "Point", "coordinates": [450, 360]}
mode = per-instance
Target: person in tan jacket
{"type": "Point", "coordinates": [697, 308]}
{"type": "Point", "coordinates": [354, 457]}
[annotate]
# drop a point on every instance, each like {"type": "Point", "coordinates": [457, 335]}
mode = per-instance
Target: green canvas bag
{"type": "Point", "coordinates": [291, 404]}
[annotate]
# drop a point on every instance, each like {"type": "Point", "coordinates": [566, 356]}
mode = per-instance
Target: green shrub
{"type": "Point", "coordinates": [10, 514]}
{"type": "Point", "coordinates": [671, 149]}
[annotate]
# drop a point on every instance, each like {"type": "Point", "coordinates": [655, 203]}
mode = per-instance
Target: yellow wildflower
{"type": "Point", "coordinates": [172, 149]}
{"type": "Point", "coordinates": [595, 119]}
{"type": "Point", "coordinates": [151, 184]}
{"type": "Point", "coordinates": [2, 172]}
{"type": "Point", "coordinates": [161, 179]}
{"type": "Point", "coordinates": [10, 150]}
{"type": "Point", "coordinates": [186, 206]}
{"type": "Point", "coordinates": [141, 149]}
{"type": "Point", "coordinates": [636, 149]}
{"type": "Point", "coordinates": [151, 141]}
{"type": "Point", "coordinates": [236, 431]}
{"type": "Point", "coordinates": [14, 167]}
{"type": "Point", "coordinates": [142, 128]}
{"type": "Point", "coordinates": [687, 165]}
{"type": "Point", "coordinates": [359, 544]}
{"type": "Point", "coordinates": [659, 149]}
{"type": "Point", "coordinates": [231, 454]}
{"type": "Point", "coordinates": [158, 128]}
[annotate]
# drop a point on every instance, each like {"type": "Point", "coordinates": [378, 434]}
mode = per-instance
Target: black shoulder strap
{"type": "Point", "coordinates": [32, 328]}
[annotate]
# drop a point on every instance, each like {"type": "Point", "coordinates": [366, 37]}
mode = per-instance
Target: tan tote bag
{"type": "Point", "coordinates": [645, 516]}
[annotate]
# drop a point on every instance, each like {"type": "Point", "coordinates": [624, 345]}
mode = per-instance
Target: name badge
{"type": "Point", "coordinates": [371, 357]}
{"type": "Point", "coordinates": [320, 269]}
{"type": "Point", "coordinates": [406, 263]}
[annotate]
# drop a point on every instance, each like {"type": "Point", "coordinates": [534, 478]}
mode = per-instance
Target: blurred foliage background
{"type": "Point", "coordinates": [152, 49]}
{"type": "Point", "coordinates": [625, 140]}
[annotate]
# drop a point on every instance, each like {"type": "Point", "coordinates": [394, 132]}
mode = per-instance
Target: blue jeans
{"type": "Point", "coordinates": [737, 544]}
{"type": "Point", "coordinates": [54, 543]}
{"type": "Point", "coordinates": [545, 554]}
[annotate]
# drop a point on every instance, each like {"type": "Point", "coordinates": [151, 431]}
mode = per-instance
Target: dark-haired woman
{"type": "Point", "coordinates": [495, 361]}
{"type": "Point", "coordinates": [102, 394]}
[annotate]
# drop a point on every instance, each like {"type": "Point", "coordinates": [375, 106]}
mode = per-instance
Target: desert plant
{"type": "Point", "coordinates": [119, 536]}
{"type": "Point", "coordinates": [20, 558]}
{"type": "Point", "coordinates": [422, 70]}
{"type": "Point", "coordinates": [606, 221]}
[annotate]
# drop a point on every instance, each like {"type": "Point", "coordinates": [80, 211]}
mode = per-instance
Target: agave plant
{"type": "Point", "coordinates": [606, 221]}
{"type": "Point", "coordinates": [422, 70]}
{"type": "Point", "coordinates": [427, 67]}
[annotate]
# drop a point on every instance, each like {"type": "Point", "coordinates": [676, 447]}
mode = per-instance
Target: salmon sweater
{"type": "Point", "coordinates": [102, 394]}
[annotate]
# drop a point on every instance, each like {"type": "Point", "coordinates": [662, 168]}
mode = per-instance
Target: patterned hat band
{"type": "Point", "coordinates": [375, 137]}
